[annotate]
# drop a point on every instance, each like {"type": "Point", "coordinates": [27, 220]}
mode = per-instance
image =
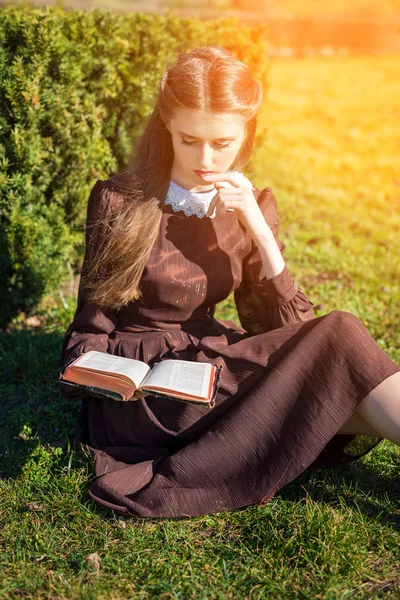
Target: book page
{"type": "Point", "coordinates": [93, 360]}
{"type": "Point", "coordinates": [182, 376]}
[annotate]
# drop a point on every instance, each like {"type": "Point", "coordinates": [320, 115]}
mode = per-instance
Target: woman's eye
{"type": "Point", "coordinates": [218, 145]}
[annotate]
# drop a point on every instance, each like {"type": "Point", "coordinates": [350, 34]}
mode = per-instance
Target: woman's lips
{"type": "Point", "coordinates": [202, 173]}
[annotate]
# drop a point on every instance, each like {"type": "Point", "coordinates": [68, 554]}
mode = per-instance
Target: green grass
{"type": "Point", "coordinates": [330, 156]}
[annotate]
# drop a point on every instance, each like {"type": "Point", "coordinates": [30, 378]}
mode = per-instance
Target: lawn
{"type": "Point", "coordinates": [328, 146]}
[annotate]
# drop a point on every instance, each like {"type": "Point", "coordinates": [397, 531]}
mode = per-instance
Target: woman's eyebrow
{"type": "Point", "coordinates": [216, 140]}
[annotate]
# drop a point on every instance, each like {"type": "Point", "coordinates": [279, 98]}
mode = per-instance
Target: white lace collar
{"type": "Point", "coordinates": [192, 203]}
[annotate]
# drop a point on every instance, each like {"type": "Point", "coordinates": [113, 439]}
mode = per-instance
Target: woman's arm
{"type": "Point", "coordinates": [268, 297]}
{"type": "Point", "coordinates": [92, 324]}
{"type": "Point", "coordinates": [271, 256]}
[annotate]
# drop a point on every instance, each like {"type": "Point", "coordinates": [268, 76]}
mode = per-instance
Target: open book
{"type": "Point", "coordinates": [119, 377]}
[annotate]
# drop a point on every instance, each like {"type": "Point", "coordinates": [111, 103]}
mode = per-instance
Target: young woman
{"type": "Point", "coordinates": [164, 245]}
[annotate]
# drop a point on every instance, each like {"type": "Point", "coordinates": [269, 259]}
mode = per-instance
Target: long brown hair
{"type": "Point", "coordinates": [208, 78]}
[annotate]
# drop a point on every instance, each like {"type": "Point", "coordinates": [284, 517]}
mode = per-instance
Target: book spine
{"type": "Point", "coordinates": [217, 383]}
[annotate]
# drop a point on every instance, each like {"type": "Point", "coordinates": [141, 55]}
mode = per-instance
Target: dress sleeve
{"type": "Point", "coordinates": [264, 304]}
{"type": "Point", "coordinates": [92, 324]}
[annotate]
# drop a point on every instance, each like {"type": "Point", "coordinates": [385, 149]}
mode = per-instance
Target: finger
{"type": "Point", "coordinates": [212, 206]}
{"type": "Point", "coordinates": [223, 208]}
{"type": "Point", "coordinates": [229, 177]}
{"type": "Point", "coordinates": [231, 195]}
{"type": "Point", "coordinates": [222, 189]}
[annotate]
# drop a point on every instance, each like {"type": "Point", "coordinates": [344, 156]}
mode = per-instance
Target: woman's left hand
{"type": "Point", "coordinates": [240, 199]}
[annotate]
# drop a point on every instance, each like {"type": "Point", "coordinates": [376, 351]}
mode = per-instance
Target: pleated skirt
{"type": "Point", "coordinates": [283, 398]}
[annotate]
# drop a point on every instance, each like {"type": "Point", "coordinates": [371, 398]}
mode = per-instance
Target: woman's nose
{"type": "Point", "coordinates": [206, 157]}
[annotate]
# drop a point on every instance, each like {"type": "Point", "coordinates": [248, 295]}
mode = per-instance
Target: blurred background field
{"type": "Point", "coordinates": [295, 27]}
{"type": "Point", "coordinates": [328, 145]}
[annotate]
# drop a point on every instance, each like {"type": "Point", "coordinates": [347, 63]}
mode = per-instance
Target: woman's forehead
{"type": "Point", "coordinates": [199, 124]}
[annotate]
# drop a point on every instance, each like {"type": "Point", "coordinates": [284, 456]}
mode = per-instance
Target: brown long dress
{"type": "Point", "coordinates": [290, 380]}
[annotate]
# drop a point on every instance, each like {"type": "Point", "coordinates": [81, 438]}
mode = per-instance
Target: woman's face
{"type": "Point", "coordinates": [203, 142]}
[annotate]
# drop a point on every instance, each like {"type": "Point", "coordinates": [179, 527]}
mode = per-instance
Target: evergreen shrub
{"type": "Point", "coordinates": [75, 89]}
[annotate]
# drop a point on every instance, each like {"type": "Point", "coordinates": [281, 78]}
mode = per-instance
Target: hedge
{"type": "Point", "coordinates": [75, 89]}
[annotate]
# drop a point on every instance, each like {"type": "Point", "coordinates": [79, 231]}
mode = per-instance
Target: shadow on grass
{"type": "Point", "coordinates": [355, 486]}
{"type": "Point", "coordinates": [32, 410]}
{"type": "Point", "coordinates": [31, 407]}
